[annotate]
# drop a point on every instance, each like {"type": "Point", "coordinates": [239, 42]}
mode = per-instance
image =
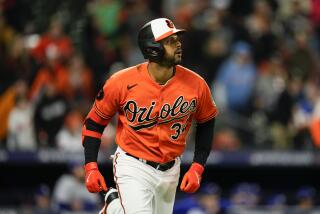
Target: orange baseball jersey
{"type": "Point", "coordinates": [153, 119]}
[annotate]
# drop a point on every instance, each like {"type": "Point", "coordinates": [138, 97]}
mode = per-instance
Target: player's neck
{"type": "Point", "coordinates": [160, 74]}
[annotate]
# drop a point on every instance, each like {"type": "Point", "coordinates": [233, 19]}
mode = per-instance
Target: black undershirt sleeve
{"type": "Point", "coordinates": [91, 144]}
{"type": "Point", "coordinates": [203, 141]}
{"type": "Point", "coordinates": [91, 148]}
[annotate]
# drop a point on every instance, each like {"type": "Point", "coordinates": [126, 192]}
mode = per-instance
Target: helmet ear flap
{"type": "Point", "coordinates": [155, 53]}
{"type": "Point", "coordinates": [152, 52]}
{"type": "Point", "coordinates": [150, 49]}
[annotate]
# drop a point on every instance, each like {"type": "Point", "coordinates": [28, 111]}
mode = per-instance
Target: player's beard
{"type": "Point", "coordinates": [170, 61]}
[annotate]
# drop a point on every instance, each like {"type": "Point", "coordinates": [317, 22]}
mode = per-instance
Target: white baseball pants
{"type": "Point", "coordinates": [142, 188]}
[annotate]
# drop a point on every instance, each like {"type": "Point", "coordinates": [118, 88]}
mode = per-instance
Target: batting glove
{"type": "Point", "coordinates": [94, 180]}
{"type": "Point", "coordinates": [192, 179]}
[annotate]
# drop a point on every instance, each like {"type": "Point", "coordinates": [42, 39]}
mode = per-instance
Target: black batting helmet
{"type": "Point", "coordinates": [150, 35]}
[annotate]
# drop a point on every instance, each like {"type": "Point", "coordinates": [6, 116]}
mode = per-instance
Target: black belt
{"type": "Point", "coordinates": [158, 166]}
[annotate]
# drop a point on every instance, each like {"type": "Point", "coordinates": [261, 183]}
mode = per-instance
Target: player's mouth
{"type": "Point", "coordinates": [178, 52]}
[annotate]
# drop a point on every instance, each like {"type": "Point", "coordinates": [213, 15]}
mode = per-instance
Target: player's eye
{"type": "Point", "coordinates": [172, 40]}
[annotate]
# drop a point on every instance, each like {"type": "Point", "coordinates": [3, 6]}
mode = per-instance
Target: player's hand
{"type": "Point", "coordinates": [94, 180]}
{"type": "Point", "coordinates": [192, 179]}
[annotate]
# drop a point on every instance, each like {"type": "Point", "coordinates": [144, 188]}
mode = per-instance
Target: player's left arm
{"type": "Point", "coordinates": [205, 117]}
{"type": "Point", "coordinates": [204, 134]}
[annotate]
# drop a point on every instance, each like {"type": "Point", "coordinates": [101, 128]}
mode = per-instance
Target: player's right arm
{"type": "Point", "coordinates": [102, 111]}
{"type": "Point", "coordinates": [91, 135]}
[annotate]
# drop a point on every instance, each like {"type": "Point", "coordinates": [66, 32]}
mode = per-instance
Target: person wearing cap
{"type": "Point", "coordinates": [42, 200]}
{"type": "Point", "coordinates": [244, 196]}
{"type": "Point", "coordinates": [206, 201]}
{"type": "Point", "coordinates": [156, 102]}
{"type": "Point", "coordinates": [305, 197]}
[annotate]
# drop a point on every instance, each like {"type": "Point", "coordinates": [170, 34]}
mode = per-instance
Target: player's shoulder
{"type": "Point", "coordinates": [189, 74]}
{"type": "Point", "coordinates": [125, 73]}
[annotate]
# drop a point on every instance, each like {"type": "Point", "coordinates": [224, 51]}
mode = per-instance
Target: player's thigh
{"type": "Point", "coordinates": [164, 200]}
{"type": "Point", "coordinates": [135, 197]}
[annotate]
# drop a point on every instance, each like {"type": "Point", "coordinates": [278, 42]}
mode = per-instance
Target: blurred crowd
{"type": "Point", "coordinates": [246, 198]}
{"type": "Point", "coordinates": [261, 59]}
{"type": "Point", "coordinates": [69, 195]}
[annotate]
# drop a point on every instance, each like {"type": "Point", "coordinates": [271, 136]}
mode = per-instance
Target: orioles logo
{"type": "Point", "coordinates": [169, 23]}
{"type": "Point", "coordinates": [142, 115]}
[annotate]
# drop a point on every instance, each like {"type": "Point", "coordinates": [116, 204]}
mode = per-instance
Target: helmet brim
{"type": "Point", "coordinates": [169, 33]}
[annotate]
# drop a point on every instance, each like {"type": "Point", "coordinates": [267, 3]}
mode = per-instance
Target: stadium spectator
{"type": "Point", "coordinates": [50, 73]}
{"type": "Point", "coordinates": [232, 92]}
{"type": "Point", "coordinates": [7, 103]}
{"type": "Point", "coordinates": [218, 37]}
{"type": "Point", "coordinates": [206, 201]}
{"type": "Point", "coordinates": [305, 198]}
{"type": "Point", "coordinates": [42, 200]}
{"type": "Point", "coordinates": [259, 24]}
{"type": "Point", "coordinates": [302, 116]}
{"type": "Point", "coordinates": [301, 59]}
{"type": "Point", "coordinates": [69, 136]}
{"type": "Point", "coordinates": [54, 44]}
{"type": "Point", "coordinates": [277, 203]}
{"type": "Point", "coordinates": [79, 78]}
{"type": "Point", "coordinates": [270, 83]}
{"type": "Point", "coordinates": [281, 115]}
{"type": "Point", "coordinates": [70, 194]}
{"type": "Point", "coordinates": [49, 116]}
{"type": "Point", "coordinates": [209, 199]}
{"type": "Point", "coordinates": [226, 139]}
{"type": "Point", "coordinates": [21, 131]}
{"type": "Point", "coordinates": [244, 195]}
{"type": "Point", "coordinates": [18, 63]}
{"type": "Point", "coordinates": [107, 16]}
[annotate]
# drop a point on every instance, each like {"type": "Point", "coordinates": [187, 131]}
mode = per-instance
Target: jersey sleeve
{"type": "Point", "coordinates": [206, 108]}
{"type": "Point", "coordinates": [107, 100]}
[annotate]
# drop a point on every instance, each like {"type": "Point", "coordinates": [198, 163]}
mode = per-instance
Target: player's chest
{"type": "Point", "coordinates": [152, 103]}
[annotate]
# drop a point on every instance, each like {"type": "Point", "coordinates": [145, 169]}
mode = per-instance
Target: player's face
{"type": "Point", "coordinates": [173, 50]}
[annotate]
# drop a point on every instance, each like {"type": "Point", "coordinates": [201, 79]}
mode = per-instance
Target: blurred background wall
{"type": "Point", "coordinates": [260, 58]}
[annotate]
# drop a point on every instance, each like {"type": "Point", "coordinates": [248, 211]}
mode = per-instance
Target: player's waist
{"type": "Point", "coordinates": [158, 166]}
{"type": "Point", "coordinates": [149, 151]}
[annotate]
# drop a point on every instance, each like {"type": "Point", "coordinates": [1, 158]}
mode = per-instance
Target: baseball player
{"type": "Point", "coordinates": [156, 102]}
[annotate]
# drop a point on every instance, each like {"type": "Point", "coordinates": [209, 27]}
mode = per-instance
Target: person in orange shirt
{"type": "Point", "coordinates": [156, 102]}
{"type": "Point", "coordinates": [53, 44]}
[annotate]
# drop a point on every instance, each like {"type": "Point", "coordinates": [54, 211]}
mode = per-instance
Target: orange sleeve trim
{"type": "Point", "coordinates": [98, 112]}
{"type": "Point", "coordinates": [97, 118]}
{"type": "Point", "coordinates": [89, 133]}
